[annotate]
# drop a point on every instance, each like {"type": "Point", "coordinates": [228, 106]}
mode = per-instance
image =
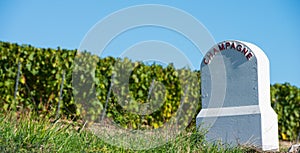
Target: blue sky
{"type": "Point", "coordinates": [272, 25]}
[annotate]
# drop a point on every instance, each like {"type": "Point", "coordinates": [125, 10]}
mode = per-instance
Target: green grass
{"type": "Point", "coordinates": [32, 134]}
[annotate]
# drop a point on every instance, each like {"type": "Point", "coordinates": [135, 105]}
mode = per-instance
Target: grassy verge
{"type": "Point", "coordinates": [32, 134]}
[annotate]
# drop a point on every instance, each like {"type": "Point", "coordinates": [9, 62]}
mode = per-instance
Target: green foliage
{"type": "Point", "coordinates": [41, 76]}
{"type": "Point", "coordinates": [286, 102]}
{"type": "Point", "coordinates": [132, 94]}
{"type": "Point", "coordinates": [135, 95]}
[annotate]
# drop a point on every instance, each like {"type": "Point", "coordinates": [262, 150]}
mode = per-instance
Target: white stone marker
{"type": "Point", "coordinates": [236, 106]}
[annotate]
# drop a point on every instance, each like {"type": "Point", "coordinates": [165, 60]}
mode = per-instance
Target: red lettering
{"type": "Point", "coordinates": [249, 56]}
{"type": "Point", "coordinates": [221, 47]}
{"type": "Point", "coordinates": [245, 51]}
{"type": "Point", "coordinates": [227, 44]}
{"type": "Point", "coordinates": [239, 47]}
{"type": "Point", "coordinates": [232, 46]}
{"type": "Point", "coordinates": [210, 55]}
{"type": "Point", "coordinates": [206, 61]}
{"type": "Point", "coordinates": [215, 51]}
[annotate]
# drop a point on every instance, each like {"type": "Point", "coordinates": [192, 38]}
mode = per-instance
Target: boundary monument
{"type": "Point", "coordinates": [236, 106]}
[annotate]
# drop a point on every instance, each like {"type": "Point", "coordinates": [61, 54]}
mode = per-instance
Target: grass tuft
{"type": "Point", "coordinates": [27, 133]}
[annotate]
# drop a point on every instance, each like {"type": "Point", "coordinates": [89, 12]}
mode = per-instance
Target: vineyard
{"type": "Point", "coordinates": [39, 81]}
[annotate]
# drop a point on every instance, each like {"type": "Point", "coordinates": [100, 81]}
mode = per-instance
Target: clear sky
{"type": "Point", "coordinates": [272, 25]}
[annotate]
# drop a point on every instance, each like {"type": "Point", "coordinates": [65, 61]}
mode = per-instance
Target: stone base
{"type": "Point", "coordinates": [245, 125]}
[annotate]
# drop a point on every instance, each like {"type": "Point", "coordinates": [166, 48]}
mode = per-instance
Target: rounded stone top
{"type": "Point", "coordinates": [234, 73]}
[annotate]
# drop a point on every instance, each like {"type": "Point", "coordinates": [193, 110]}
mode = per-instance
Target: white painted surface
{"type": "Point", "coordinates": [235, 86]}
{"type": "Point", "coordinates": [229, 111]}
